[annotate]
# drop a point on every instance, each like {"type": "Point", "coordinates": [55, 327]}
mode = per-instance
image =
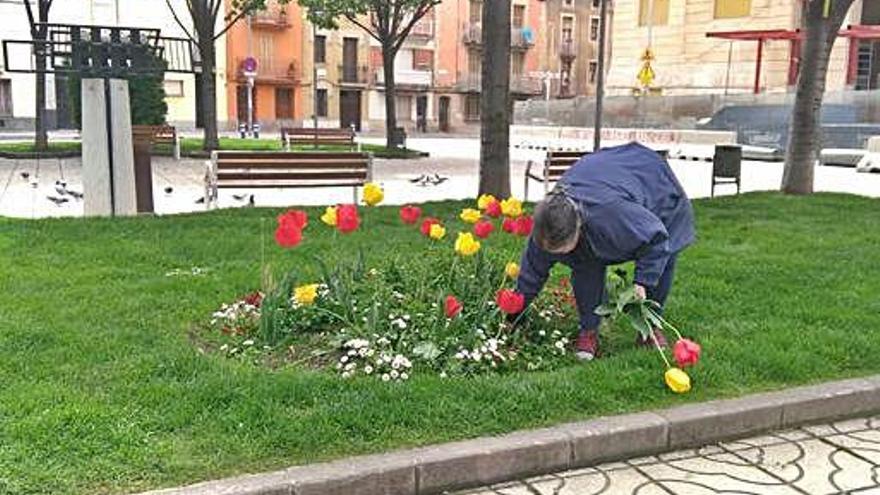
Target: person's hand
{"type": "Point", "coordinates": [641, 293]}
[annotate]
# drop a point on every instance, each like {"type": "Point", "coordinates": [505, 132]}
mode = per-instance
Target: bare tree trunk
{"type": "Point", "coordinates": [495, 103]}
{"type": "Point", "coordinates": [804, 134]}
{"type": "Point", "coordinates": [388, 54]}
{"type": "Point", "coordinates": [209, 92]}
{"type": "Point", "coordinates": [41, 135]}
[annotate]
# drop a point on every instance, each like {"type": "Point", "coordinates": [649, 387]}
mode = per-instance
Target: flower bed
{"type": "Point", "coordinates": [450, 309]}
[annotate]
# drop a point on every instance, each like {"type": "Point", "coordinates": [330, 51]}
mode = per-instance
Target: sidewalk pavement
{"type": "Point", "coordinates": [454, 159]}
{"type": "Point", "coordinates": [829, 459]}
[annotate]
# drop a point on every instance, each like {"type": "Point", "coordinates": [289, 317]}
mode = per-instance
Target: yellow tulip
{"type": "Point", "coordinates": [677, 380]}
{"type": "Point", "coordinates": [470, 215]}
{"type": "Point", "coordinates": [511, 207]}
{"type": "Point", "coordinates": [466, 245]}
{"type": "Point", "coordinates": [373, 194]}
{"type": "Point", "coordinates": [305, 294]}
{"type": "Point", "coordinates": [437, 232]}
{"type": "Point", "coordinates": [484, 201]}
{"type": "Point", "coordinates": [511, 270]}
{"type": "Point", "coordinates": [329, 216]}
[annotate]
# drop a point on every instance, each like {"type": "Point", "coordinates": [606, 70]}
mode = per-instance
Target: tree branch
{"type": "Point", "coordinates": [354, 20]}
{"type": "Point", "coordinates": [421, 12]}
{"type": "Point", "coordinates": [231, 23]}
{"type": "Point", "coordinates": [179, 22]}
{"type": "Point", "coordinates": [30, 16]}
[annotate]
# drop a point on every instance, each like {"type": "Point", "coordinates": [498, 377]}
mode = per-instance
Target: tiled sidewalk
{"type": "Point", "coordinates": [841, 458]}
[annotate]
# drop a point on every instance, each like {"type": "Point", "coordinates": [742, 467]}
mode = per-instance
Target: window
{"type": "Point", "coordinates": [594, 28]}
{"type": "Point", "coordinates": [567, 28]}
{"type": "Point", "coordinates": [472, 107]}
{"type": "Point", "coordinates": [594, 68]}
{"type": "Point", "coordinates": [661, 12]}
{"type": "Point", "coordinates": [404, 108]}
{"type": "Point", "coordinates": [569, 3]}
{"type": "Point", "coordinates": [727, 9]}
{"type": "Point", "coordinates": [475, 63]}
{"type": "Point", "coordinates": [517, 63]}
{"type": "Point", "coordinates": [322, 103]}
{"type": "Point", "coordinates": [476, 11]}
{"type": "Point", "coordinates": [5, 97]}
{"type": "Point", "coordinates": [172, 88]}
{"type": "Point", "coordinates": [320, 49]}
{"type": "Point", "coordinates": [596, 4]}
{"type": "Point", "coordinates": [283, 103]}
{"type": "Point", "coordinates": [519, 16]}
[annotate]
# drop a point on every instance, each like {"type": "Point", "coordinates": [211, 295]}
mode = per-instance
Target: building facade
{"type": "Point", "coordinates": [17, 98]}
{"type": "Point", "coordinates": [271, 40]}
{"type": "Point", "coordinates": [730, 46]}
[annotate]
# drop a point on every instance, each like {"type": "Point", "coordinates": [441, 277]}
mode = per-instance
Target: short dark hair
{"type": "Point", "coordinates": [556, 221]}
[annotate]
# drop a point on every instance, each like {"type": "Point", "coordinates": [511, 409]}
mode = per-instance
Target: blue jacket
{"type": "Point", "coordinates": [632, 208]}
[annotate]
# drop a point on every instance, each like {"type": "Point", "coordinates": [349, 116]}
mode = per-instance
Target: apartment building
{"type": "Point", "coordinates": [264, 56]}
{"type": "Point", "coordinates": [730, 46]}
{"type": "Point", "coordinates": [17, 99]}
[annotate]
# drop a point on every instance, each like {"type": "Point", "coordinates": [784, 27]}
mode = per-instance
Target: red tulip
{"type": "Point", "coordinates": [482, 229]}
{"type": "Point", "coordinates": [254, 299]}
{"type": "Point", "coordinates": [510, 225]}
{"type": "Point", "coordinates": [410, 214]}
{"type": "Point", "coordinates": [347, 219]}
{"type": "Point", "coordinates": [524, 226]}
{"type": "Point", "coordinates": [288, 235]}
{"type": "Point", "coordinates": [426, 225]}
{"type": "Point", "coordinates": [687, 353]}
{"type": "Point", "coordinates": [493, 209]}
{"type": "Point", "coordinates": [510, 301]}
{"type": "Point", "coordinates": [453, 307]}
{"type": "Point", "coordinates": [297, 218]}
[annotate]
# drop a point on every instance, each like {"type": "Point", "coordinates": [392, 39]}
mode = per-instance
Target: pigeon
{"type": "Point", "coordinates": [200, 200]}
{"type": "Point", "coordinates": [76, 195]}
{"type": "Point", "coordinates": [439, 180]}
{"type": "Point", "coordinates": [418, 179]}
{"type": "Point", "coordinates": [169, 190]}
{"type": "Point", "coordinates": [25, 175]}
{"type": "Point", "coordinates": [240, 197]}
{"type": "Point", "coordinates": [251, 201]}
{"type": "Point", "coordinates": [57, 201]}
{"type": "Point", "coordinates": [60, 188]}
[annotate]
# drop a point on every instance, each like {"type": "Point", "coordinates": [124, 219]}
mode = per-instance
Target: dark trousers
{"type": "Point", "coordinates": [588, 282]}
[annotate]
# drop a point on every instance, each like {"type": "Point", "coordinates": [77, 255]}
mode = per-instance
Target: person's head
{"type": "Point", "coordinates": [557, 223]}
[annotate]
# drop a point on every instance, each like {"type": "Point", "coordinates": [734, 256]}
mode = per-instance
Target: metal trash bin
{"type": "Point", "coordinates": [398, 137]}
{"type": "Point", "coordinates": [142, 142]}
{"type": "Point", "coordinates": [727, 166]}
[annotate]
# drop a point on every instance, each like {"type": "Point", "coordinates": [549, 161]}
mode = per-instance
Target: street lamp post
{"type": "Point", "coordinates": [600, 77]}
{"type": "Point", "coordinates": [315, 79]}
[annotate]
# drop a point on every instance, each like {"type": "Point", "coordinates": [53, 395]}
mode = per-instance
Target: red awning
{"type": "Point", "coordinates": [757, 35]}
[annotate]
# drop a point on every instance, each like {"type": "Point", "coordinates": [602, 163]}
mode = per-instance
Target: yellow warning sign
{"type": "Point", "coordinates": [646, 75]}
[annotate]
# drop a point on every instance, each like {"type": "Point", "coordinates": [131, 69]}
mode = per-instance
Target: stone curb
{"type": "Point", "coordinates": [482, 461]}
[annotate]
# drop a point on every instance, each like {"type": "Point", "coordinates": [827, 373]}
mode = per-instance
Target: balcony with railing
{"type": "Point", "coordinates": [522, 38]}
{"type": "Point", "coordinates": [472, 33]}
{"type": "Point", "coordinates": [567, 51]}
{"type": "Point", "coordinates": [353, 75]}
{"type": "Point", "coordinates": [271, 70]}
{"type": "Point", "coordinates": [411, 77]}
{"type": "Point", "coordinates": [271, 18]}
{"type": "Point", "coordinates": [423, 29]}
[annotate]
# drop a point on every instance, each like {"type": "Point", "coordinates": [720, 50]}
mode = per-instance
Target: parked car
{"type": "Point", "coordinates": [767, 125]}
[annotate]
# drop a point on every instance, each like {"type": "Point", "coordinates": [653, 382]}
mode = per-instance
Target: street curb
{"type": "Point", "coordinates": [482, 461]}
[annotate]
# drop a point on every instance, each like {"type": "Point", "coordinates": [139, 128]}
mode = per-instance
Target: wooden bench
{"type": "Point", "coordinates": [284, 169]}
{"type": "Point", "coordinates": [298, 136]}
{"type": "Point", "coordinates": [163, 134]}
{"type": "Point", "coordinates": [556, 164]}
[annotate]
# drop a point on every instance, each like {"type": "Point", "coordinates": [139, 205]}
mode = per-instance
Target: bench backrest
{"type": "Point", "coordinates": [305, 135]}
{"type": "Point", "coordinates": [291, 169]}
{"type": "Point", "coordinates": [558, 162]}
{"type": "Point", "coordinates": [160, 133]}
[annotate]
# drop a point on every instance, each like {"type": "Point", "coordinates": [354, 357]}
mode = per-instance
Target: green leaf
{"type": "Point", "coordinates": [427, 350]}
{"type": "Point", "coordinates": [605, 310]}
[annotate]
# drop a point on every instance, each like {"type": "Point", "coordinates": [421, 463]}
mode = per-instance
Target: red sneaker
{"type": "Point", "coordinates": [587, 346]}
{"type": "Point", "coordinates": [658, 334]}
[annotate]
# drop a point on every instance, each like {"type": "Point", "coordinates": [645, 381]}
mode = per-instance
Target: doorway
{"type": "Point", "coordinates": [422, 113]}
{"type": "Point", "coordinates": [444, 113]}
{"type": "Point", "coordinates": [350, 109]}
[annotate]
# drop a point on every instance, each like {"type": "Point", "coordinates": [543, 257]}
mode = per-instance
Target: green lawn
{"type": "Point", "coordinates": [194, 145]}
{"type": "Point", "coordinates": [102, 391]}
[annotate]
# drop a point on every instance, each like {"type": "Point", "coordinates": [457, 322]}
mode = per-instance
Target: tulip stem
{"type": "Point", "coordinates": [660, 350]}
{"type": "Point", "coordinates": [666, 324]}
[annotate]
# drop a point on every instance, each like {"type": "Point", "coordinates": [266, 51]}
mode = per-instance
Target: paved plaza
{"type": "Point", "coordinates": [840, 458]}
{"type": "Point", "coordinates": [26, 185]}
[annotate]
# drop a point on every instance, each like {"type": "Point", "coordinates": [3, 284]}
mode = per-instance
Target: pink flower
{"type": "Point", "coordinates": [297, 218]}
{"type": "Point", "coordinates": [493, 209]}
{"type": "Point", "coordinates": [524, 226]}
{"type": "Point", "coordinates": [510, 301]}
{"type": "Point", "coordinates": [687, 353]}
{"type": "Point", "coordinates": [510, 226]}
{"type": "Point", "coordinates": [482, 229]}
{"type": "Point", "coordinates": [347, 218]}
{"type": "Point", "coordinates": [452, 307]}
{"type": "Point", "coordinates": [288, 235]}
{"type": "Point", "coordinates": [410, 214]}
